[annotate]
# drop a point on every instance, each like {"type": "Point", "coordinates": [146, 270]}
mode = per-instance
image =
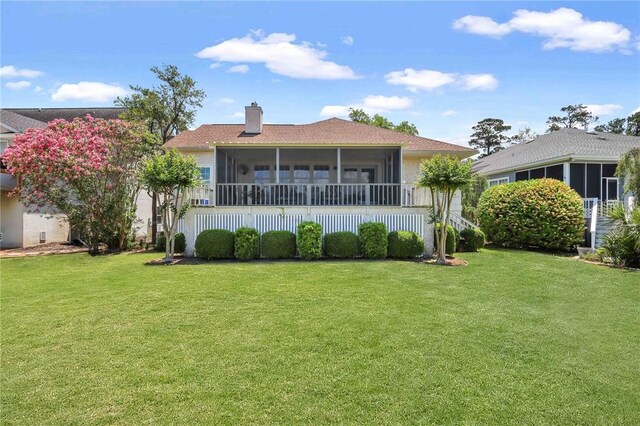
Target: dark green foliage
{"type": "Point", "coordinates": [342, 245]}
{"type": "Point", "coordinates": [309, 240]}
{"type": "Point", "coordinates": [622, 244]}
{"type": "Point", "coordinates": [543, 213]}
{"type": "Point", "coordinates": [215, 244]}
{"type": "Point", "coordinates": [373, 240]}
{"type": "Point", "coordinates": [405, 244]}
{"type": "Point", "coordinates": [278, 245]}
{"type": "Point", "coordinates": [179, 244]}
{"type": "Point", "coordinates": [452, 239]}
{"type": "Point", "coordinates": [247, 243]}
{"type": "Point", "coordinates": [473, 239]}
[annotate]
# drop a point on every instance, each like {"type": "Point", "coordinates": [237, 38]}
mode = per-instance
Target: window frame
{"type": "Point", "coordinates": [498, 181]}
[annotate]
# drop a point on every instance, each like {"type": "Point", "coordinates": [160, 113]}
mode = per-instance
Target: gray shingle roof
{"type": "Point", "coordinates": [16, 123]}
{"type": "Point", "coordinates": [565, 144]}
{"type": "Point", "coordinates": [47, 114]}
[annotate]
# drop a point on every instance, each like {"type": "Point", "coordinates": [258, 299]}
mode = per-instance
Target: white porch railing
{"type": "Point", "coordinates": [587, 205]}
{"type": "Point", "coordinates": [326, 194]}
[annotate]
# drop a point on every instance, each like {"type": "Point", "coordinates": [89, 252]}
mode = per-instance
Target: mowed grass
{"type": "Point", "coordinates": [515, 337]}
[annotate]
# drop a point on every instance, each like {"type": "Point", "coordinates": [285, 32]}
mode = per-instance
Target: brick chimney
{"type": "Point", "coordinates": [253, 119]}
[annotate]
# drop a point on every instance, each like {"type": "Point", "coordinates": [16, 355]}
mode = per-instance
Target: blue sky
{"type": "Point", "coordinates": [443, 66]}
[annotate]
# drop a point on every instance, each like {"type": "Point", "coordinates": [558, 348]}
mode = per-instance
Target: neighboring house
{"type": "Point", "coordinates": [19, 225]}
{"type": "Point", "coordinates": [584, 160]}
{"type": "Point", "coordinates": [336, 172]}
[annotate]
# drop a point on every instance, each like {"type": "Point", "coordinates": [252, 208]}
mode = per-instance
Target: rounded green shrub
{"type": "Point", "coordinates": [405, 244]}
{"type": "Point", "coordinates": [373, 240]}
{"type": "Point", "coordinates": [278, 244]}
{"type": "Point", "coordinates": [247, 243]}
{"type": "Point", "coordinates": [179, 244]}
{"type": "Point", "coordinates": [452, 239]}
{"type": "Point", "coordinates": [474, 239]}
{"type": "Point", "coordinates": [309, 240]}
{"type": "Point", "coordinates": [543, 213]}
{"type": "Point", "coordinates": [342, 245]}
{"type": "Point", "coordinates": [215, 244]}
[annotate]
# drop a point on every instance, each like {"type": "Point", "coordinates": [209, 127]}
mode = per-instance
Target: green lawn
{"type": "Point", "coordinates": [515, 337]}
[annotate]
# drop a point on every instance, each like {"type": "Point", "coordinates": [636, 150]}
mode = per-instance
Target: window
{"type": "Point", "coordinates": [536, 173]}
{"type": "Point", "coordinates": [321, 174]}
{"type": "Point", "coordinates": [205, 173]}
{"type": "Point", "coordinates": [3, 146]}
{"type": "Point", "coordinates": [261, 173]}
{"type": "Point", "coordinates": [498, 181]}
{"type": "Point", "coordinates": [555, 172]}
{"type": "Point", "coordinates": [285, 175]}
{"type": "Point", "coordinates": [301, 174]}
{"type": "Point", "coordinates": [577, 178]}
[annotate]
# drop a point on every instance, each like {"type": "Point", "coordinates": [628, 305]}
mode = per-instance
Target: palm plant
{"type": "Point", "coordinates": [622, 244]}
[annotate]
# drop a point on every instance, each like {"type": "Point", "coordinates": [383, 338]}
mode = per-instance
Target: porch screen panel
{"type": "Point", "coordinates": [536, 173]}
{"type": "Point", "coordinates": [522, 175]}
{"type": "Point", "coordinates": [555, 172]}
{"type": "Point", "coordinates": [576, 180]}
{"type": "Point", "coordinates": [593, 181]}
{"type": "Point", "coordinates": [608, 170]}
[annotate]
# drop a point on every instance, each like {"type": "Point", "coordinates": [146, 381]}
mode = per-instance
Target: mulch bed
{"type": "Point", "coordinates": [451, 261]}
{"type": "Point", "coordinates": [43, 249]}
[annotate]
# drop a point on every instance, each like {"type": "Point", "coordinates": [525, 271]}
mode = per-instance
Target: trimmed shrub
{"type": "Point", "coordinates": [247, 243]}
{"type": "Point", "coordinates": [309, 240]}
{"type": "Point", "coordinates": [278, 244]}
{"type": "Point", "coordinates": [179, 244]}
{"type": "Point", "coordinates": [452, 239]}
{"type": "Point", "coordinates": [473, 239]}
{"type": "Point", "coordinates": [543, 213]}
{"type": "Point", "coordinates": [373, 240]}
{"type": "Point", "coordinates": [342, 245]}
{"type": "Point", "coordinates": [215, 244]}
{"type": "Point", "coordinates": [405, 244]}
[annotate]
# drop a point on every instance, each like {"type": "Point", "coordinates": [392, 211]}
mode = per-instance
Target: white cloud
{"type": "Point", "coordinates": [226, 101]}
{"type": "Point", "coordinates": [9, 71]}
{"type": "Point", "coordinates": [449, 113]}
{"type": "Point", "coordinates": [279, 53]}
{"type": "Point", "coordinates": [236, 115]}
{"type": "Point", "coordinates": [38, 89]}
{"type": "Point", "coordinates": [240, 69]}
{"type": "Point", "coordinates": [348, 40]}
{"type": "Point", "coordinates": [372, 104]}
{"type": "Point", "coordinates": [560, 28]}
{"type": "Point", "coordinates": [215, 65]}
{"type": "Point", "coordinates": [17, 85]}
{"type": "Point", "coordinates": [635, 110]}
{"type": "Point", "coordinates": [478, 82]}
{"type": "Point", "coordinates": [429, 80]}
{"type": "Point", "coordinates": [603, 109]}
{"type": "Point", "coordinates": [88, 91]}
{"type": "Point", "coordinates": [481, 25]}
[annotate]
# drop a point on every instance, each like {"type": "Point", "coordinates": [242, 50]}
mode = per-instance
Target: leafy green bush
{"type": "Point", "coordinates": [405, 244]}
{"type": "Point", "coordinates": [179, 244]}
{"type": "Point", "coordinates": [343, 245]}
{"type": "Point", "coordinates": [309, 240]}
{"type": "Point", "coordinates": [453, 238]}
{"type": "Point", "coordinates": [215, 244]}
{"type": "Point", "coordinates": [542, 213]}
{"type": "Point", "coordinates": [373, 240]}
{"type": "Point", "coordinates": [474, 239]}
{"type": "Point", "coordinates": [622, 244]}
{"type": "Point", "coordinates": [247, 243]}
{"type": "Point", "coordinates": [278, 244]}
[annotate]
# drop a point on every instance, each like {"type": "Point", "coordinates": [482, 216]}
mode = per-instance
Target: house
{"type": "Point", "coordinates": [336, 172]}
{"type": "Point", "coordinates": [584, 160]}
{"type": "Point", "coordinates": [19, 225]}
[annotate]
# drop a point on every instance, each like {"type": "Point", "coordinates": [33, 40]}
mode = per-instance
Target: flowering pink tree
{"type": "Point", "coordinates": [86, 169]}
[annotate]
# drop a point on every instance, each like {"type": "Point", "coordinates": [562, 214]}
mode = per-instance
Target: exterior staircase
{"type": "Point", "coordinates": [603, 227]}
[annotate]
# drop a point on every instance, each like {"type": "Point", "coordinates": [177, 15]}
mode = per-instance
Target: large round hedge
{"type": "Point", "coordinates": [278, 244]}
{"type": "Point", "coordinates": [309, 240]}
{"type": "Point", "coordinates": [178, 245]}
{"type": "Point", "coordinates": [247, 243]}
{"type": "Point", "coordinates": [405, 244]}
{"type": "Point", "coordinates": [542, 213]}
{"type": "Point", "coordinates": [344, 245]}
{"type": "Point", "coordinates": [215, 244]}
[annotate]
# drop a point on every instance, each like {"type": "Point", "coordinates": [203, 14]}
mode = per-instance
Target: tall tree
{"type": "Point", "coordinates": [471, 195]}
{"type": "Point", "coordinates": [359, 116]}
{"type": "Point", "coordinates": [576, 117]}
{"type": "Point", "coordinates": [166, 109]}
{"type": "Point", "coordinates": [171, 175]}
{"type": "Point", "coordinates": [488, 136]}
{"type": "Point", "coordinates": [86, 169]}
{"type": "Point", "coordinates": [633, 124]}
{"type": "Point", "coordinates": [629, 169]}
{"type": "Point", "coordinates": [443, 175]}
{"type": "Point", "coordinates": [617, 125]}
{"type": "Point", "coordinates": [524, 135]}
